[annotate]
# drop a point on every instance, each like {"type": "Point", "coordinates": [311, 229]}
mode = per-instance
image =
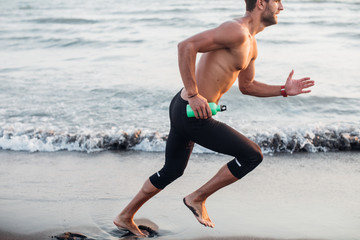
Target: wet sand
{"type": "Point", "coordinates": [13, 236]}
{"type": "Point", "coordinates": [300, 196]}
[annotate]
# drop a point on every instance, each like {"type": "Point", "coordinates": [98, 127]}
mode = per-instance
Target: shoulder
{"type": "Point", "coordinates": [234, 31]}
{"type": "Point", "coordinates": [234, 25]}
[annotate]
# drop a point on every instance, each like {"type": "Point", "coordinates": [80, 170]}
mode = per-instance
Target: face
{"type": "Point", "coordinates": [272, 9]}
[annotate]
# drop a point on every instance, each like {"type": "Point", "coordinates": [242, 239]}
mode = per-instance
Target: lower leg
{"type": "Point", "coordinates": [126, 218]}
{"type": "Point", "coordinates": [196, 200]}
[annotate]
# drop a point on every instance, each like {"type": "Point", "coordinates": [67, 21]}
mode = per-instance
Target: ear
{"type": "Point", "coordinates": [260, 4]}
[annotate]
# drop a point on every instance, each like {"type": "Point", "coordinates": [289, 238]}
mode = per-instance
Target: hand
{"type": "Point", "coordinates": [200, 107]}
{"type": "Point", "coordinates": [295, 87]}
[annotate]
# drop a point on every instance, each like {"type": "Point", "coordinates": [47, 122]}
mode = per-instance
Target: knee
{"type": "Point", "coordinates": [256, 156]}
{"type": "Point", "coordinates": [173, 174]}
{"type": "Point", "coordinates": [252, 158]}
{"type": "Point", "coordinates": [245, 163]}
{"type": "Point", "coordinates": [165, 176]}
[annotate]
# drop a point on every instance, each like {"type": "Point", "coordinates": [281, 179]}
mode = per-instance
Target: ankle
{"type": "Point", "coordinates": [124, 217]}
{"type": "Point", "coordinates": [197, 197]}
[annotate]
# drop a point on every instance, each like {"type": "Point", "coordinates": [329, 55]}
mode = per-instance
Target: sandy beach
{"type": "Point", "coordinates": [299, 196]}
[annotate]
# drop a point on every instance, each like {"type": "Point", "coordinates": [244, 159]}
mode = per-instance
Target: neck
{"type": "Point", "coordinates": [253, 20]}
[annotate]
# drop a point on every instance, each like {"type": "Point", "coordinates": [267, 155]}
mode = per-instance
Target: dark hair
{"type": "Point", "coordinates": [250, 4]}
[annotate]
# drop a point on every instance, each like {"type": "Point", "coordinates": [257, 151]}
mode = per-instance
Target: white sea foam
{"type": "Point", "coordinates": [23, 138]}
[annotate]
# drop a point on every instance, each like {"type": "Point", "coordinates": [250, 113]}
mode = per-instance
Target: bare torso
{"type": "Point", "coordinates": [217, 70]}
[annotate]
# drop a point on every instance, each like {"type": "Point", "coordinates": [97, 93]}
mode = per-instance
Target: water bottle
{"type": "Point", "coordinates": [213, 106]}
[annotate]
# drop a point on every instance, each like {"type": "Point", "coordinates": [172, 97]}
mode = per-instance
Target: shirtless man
{"type": "Point", "coordinates": [229, 53]}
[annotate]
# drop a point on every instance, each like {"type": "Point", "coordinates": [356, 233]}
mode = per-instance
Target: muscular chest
{"type": "Point", "coordinates": [243, 54]}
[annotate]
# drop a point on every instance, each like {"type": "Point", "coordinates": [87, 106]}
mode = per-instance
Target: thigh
{"type": "Point", "coordinates": [178, 150]}
{"type": "Point", "coordinates": [222, 138]}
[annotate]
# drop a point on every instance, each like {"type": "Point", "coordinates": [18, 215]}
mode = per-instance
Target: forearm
{"type": "Point", "coordinates": [187, 61]}
{"type": "Point", "coordinates": [259, 89]}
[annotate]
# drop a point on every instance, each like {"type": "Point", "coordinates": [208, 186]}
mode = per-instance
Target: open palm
{"type": "Point", "coordinates": [295, 87]}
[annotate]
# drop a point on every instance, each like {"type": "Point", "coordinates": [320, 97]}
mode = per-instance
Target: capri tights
{"type": "Point", "coordinates": [209, 133]}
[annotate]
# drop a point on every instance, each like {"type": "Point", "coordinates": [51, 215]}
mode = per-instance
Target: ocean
{"type": "Point", "coordinates": [94, 76]}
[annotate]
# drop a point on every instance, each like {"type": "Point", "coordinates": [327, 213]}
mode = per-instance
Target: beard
{"type": "Point", "coordinates": [268, 18]}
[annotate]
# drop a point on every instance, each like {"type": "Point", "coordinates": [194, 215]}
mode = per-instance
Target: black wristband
{"type": "Point", "coordinates": [193, 95]}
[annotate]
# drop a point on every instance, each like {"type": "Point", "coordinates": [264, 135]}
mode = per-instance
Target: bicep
{"type": "Point", "coordinates": [246, 77]}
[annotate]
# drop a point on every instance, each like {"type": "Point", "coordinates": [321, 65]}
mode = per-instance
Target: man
{"type": "Point", "coordinates": [229, 52]}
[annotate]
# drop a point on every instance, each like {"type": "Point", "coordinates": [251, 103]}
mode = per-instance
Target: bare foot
{"type": "Point", "coordinates": [128, 224]}
{"type": "Point", "coordinates": [199, 211]}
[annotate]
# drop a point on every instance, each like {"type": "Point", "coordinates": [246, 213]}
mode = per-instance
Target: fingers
{"type": "Point", "coordinates": [305, 79]}
{"type": "Point", "coordinates": [306, 82]}
{"type": "Point", "coordinates": [290, 75]}
{"type": "Point", "coordinates": [208, 111]}
{"type": "Point", "coordinates": [201, 107]}
{"type": "Point", "coordinates": [200, 112]}
{"type": "Point", "coordinates": [204, 112]}
{"type": "Point", "coordinates": [307, 85]}
{"type": "Point", "coordinates": [200, 115]}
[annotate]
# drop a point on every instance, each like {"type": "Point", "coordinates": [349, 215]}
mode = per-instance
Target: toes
{"type": "Point", "coordinates": [208, 223]}
{"type": "Point", "coordinates": [142, 236]}
{"type": "Point", "coordinates": [202, 222]}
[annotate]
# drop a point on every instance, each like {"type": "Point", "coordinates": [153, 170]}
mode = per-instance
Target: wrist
{"type": "Point", "coordinates": [283, 91]}
{"type": "Point", "coordinates": [193, 95]}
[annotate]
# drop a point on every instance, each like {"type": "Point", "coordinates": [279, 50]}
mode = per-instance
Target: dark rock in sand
{"type": "Point", "coordinates": [147, 230]}
{"type": "Point", "coordinates": [71, 236]}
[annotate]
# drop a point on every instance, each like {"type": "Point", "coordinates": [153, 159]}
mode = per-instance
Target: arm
{"type": "Point", "coordinates": [218, 38]}
{"type": "Point", "coordinates": [249, 86]}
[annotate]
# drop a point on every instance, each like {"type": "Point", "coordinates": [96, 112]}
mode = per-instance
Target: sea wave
{"type": "Point", "coordinates": [288, 141]}
{"type": "Point", "coordinates": [64, 21]}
